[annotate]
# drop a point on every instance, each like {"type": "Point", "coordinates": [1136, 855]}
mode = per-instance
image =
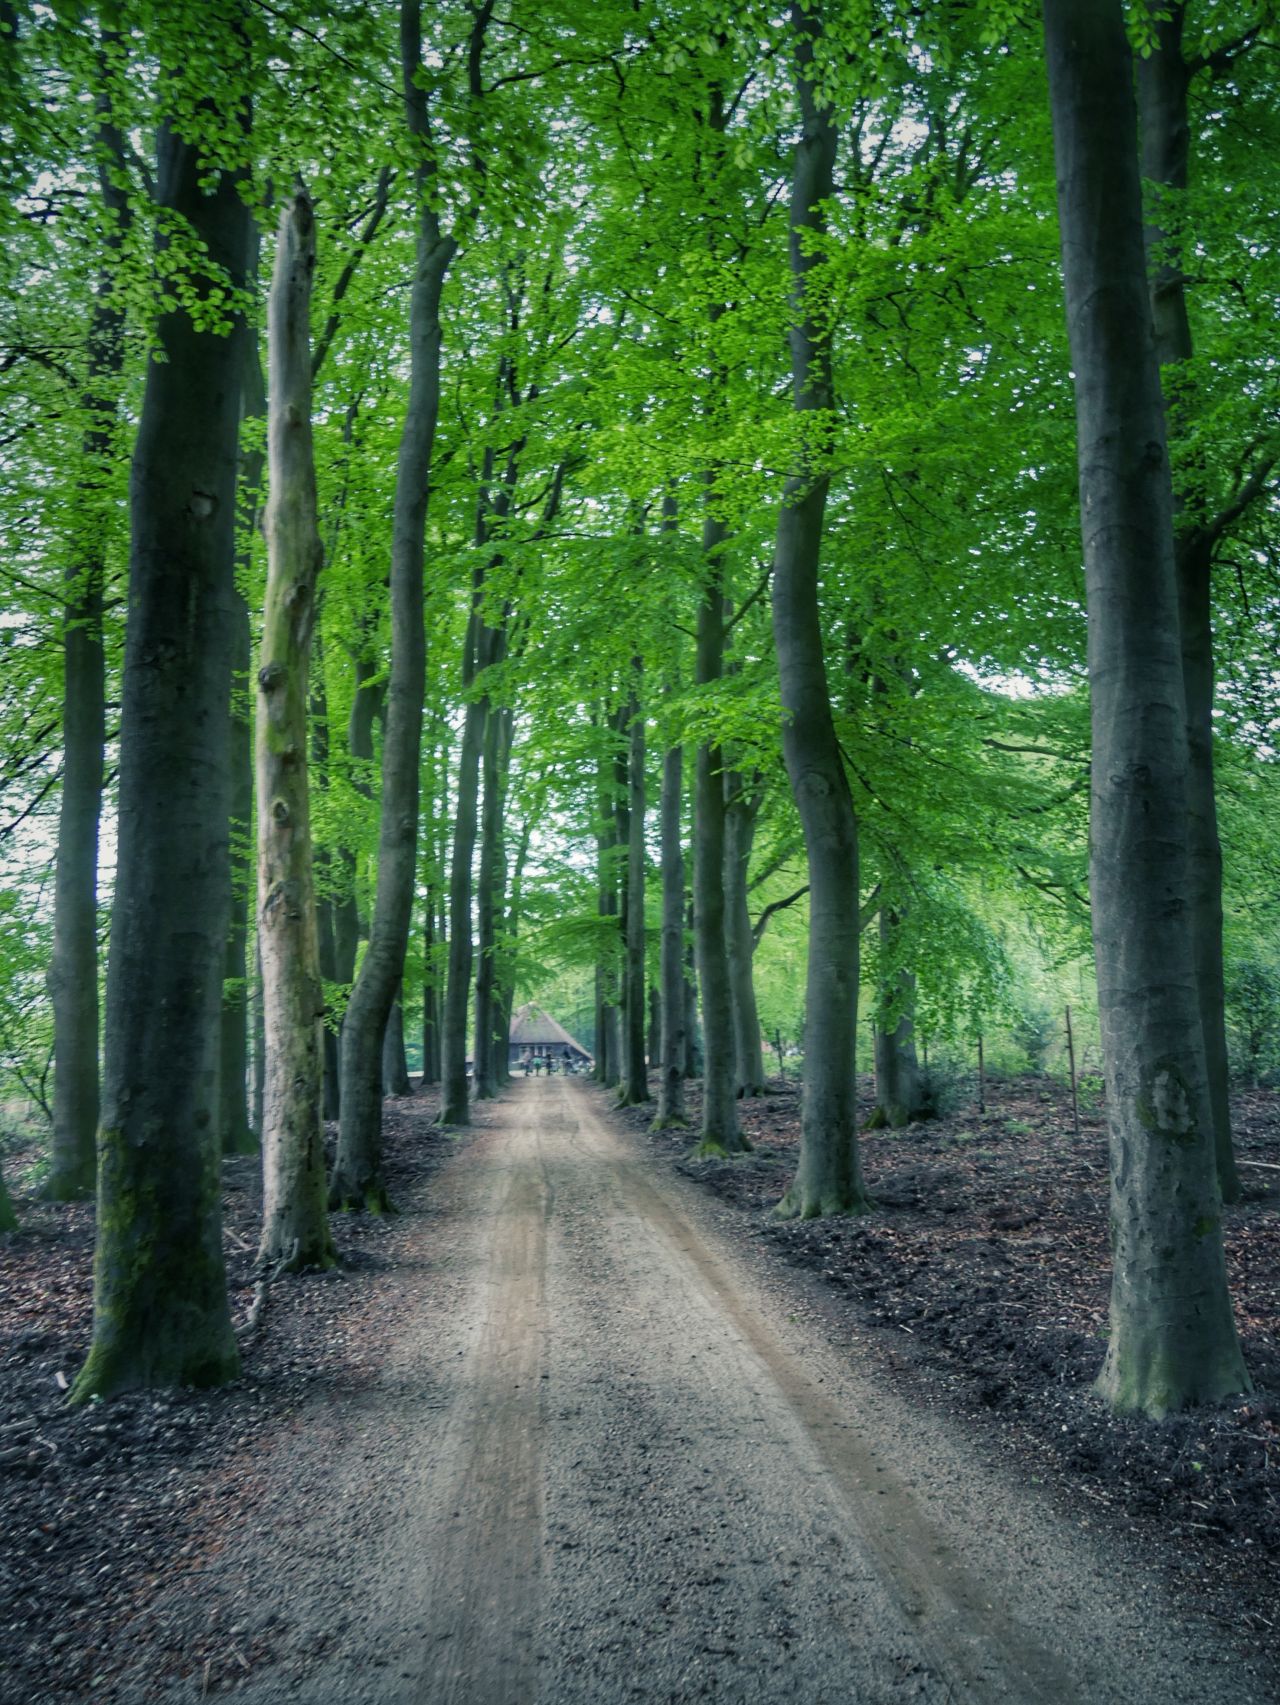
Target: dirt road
{"type": "Point", "coordinates": [612, 1457]}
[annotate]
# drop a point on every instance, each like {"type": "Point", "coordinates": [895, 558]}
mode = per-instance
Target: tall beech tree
{"type": "Point", "coordinates": [635, 1081]}
{"type": "Point", "coordinates": [295, 1226]}
{"type": "Point", "coordinates": [828, 1176]}
{"type": "Point", "coordinates": [673, 1039]}
{"type": "Point", "coordinates": [73, 968]}
{"type": "Point", "coordinates": [235, 1130]}
{"type": "Point", "coordinates": [720, 1132]}
{"type": "Point", "coordinates": [743, 798]}
{"type": "Point", "coordinates": [1164, 78]}
{"type": "Point", "coordinates": [1173, 1340]}
{"type": "Point", "coordinates": [160, 1300]}
{"type": "Point", "coordinates": [357, 1180]}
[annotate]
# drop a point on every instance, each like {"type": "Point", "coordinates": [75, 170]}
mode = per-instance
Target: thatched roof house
{"type": "Point", "coordinates": [534, 1031]}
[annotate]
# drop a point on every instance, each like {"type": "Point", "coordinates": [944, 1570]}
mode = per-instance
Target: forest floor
{"type": "Point", "coordinates": [567, 1428]}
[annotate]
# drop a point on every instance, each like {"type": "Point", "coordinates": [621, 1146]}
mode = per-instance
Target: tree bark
{"type": "Point", "coordinates": [692, 1030]}
{"type": "Point", "coordinates": [395, 1070]}
{"type": "Point", "coordinates": [828, 1178]}
{"type": "Point", "coordinates": [898, 1085]}
{"type": "Point", "coordinates": [8, 1219]}
{"type": "Point", "coordinates": [1173, 1340]}
{"type": "Point", "coordinates": [673, 1043]}
{"type": "Point", "coordinates": [455, 1108]}
{"type": "Point", "coordinates": [635, 1077]}
{"type": "Point", "coordinates": [606, 974]}
{"type": "Point", "coordinates": [73, 966]}
{"type": "Point", "coordinates": [742, 810]}
{"type": "Point", "coordinates": [358, 1179]}
{"type": "Point", "coordinates": [236, 1134]}
{"type": "Point", "coordinates": [507, 991]}
{"type": "Point", "coordinates": [295, 1225]}
{"type": "Point", "coordinates": [490, 882]}
{"type": "Point", "coordinates": [430, 996]}
{"type": "Point", "coordinates": [160, 1300]}
{"type": "Point", "coordinates": [1164, 79]}
{"type": "Point", "coordinates": [719, 1133]}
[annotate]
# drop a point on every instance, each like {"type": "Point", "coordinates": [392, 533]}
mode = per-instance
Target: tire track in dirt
{"type": "Point", "coordinates": [955, 1617]}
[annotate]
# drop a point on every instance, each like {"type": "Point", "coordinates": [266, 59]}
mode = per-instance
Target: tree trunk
{"type": "Point", "coordinates": [507, 992]}
{"type": "Point", "coordinates": [1164, 79]}
{"type": "Point", "coordinates": [635, 1077]}
{"type": "Point", "coordinates": [8, 1219]}
{"type": "Point", "coordinates": [828, 1178]}
{"type": "Point", "coordinates": [160, 1299]}
{"type": "Point", "coordinates": [606, 976]}
{"type": "Point", "coordinates": [357, 1179]}
{"type": "Point", "coordinates": [236, 1135]}
{"type": "Point", "coordinates": [898, 1084]}
{"type": "Point", "coordinates": [742, 810]}
{"type": "Point", "coordinates": [673, 1043]}
{"type": "Point", "coordinates": [332, 1097]}
{"type": "Point", "coordinates": [73, 966]}
{"type": "Point", "coordinates": [489, 886]}
{"type": "Point", "coordinates": [295, 1225]}
{"type": "Point", "coordinates": [719, 1133]}
{"type": "Point", "coordinates": [1173, 1340]}
{"type": "Point", "coordinates": [395, 1069]}
{"type": "Point", "coordinates": [430, 996]}
{"type": "Point", "coordinates": [366, 703]}
{"type": "Point", "coordinates": [692, 1030]}
{"type": "Point", "coordinates": [455, 1105]}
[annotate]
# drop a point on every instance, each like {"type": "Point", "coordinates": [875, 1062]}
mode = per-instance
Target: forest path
{"type": "Point", "coordinates": [613, 1456]}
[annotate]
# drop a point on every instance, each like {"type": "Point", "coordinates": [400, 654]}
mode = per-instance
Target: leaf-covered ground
{"type": "Point", "coordinates": [106, 1509]}
{"type": "Point", "coordinates": [985, 1262]}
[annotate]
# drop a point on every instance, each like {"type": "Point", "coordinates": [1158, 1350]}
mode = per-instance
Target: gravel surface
{"type": "Point", "coordinates": [601, 1449]}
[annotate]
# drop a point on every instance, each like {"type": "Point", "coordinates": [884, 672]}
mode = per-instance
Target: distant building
{"type": "Point", "coordinates": [535, 1035]}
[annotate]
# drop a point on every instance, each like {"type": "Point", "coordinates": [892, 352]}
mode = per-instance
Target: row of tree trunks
{"type": "Point", "coordinates": [358, 1180]}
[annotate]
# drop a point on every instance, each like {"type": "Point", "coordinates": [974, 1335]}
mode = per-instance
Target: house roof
{"type": "Point", "coordinates": [532, 1027]}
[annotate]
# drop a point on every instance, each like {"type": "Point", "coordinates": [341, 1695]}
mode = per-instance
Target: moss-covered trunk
{"type": "Point", "coordinates": [295, 1225]}
{"type": "Point", "coordinates": [160, 1301]}
{"type": "Point", "coordinates": [1173, 1340]}
{"type": "Point", "coordinates": [828, 1178]}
